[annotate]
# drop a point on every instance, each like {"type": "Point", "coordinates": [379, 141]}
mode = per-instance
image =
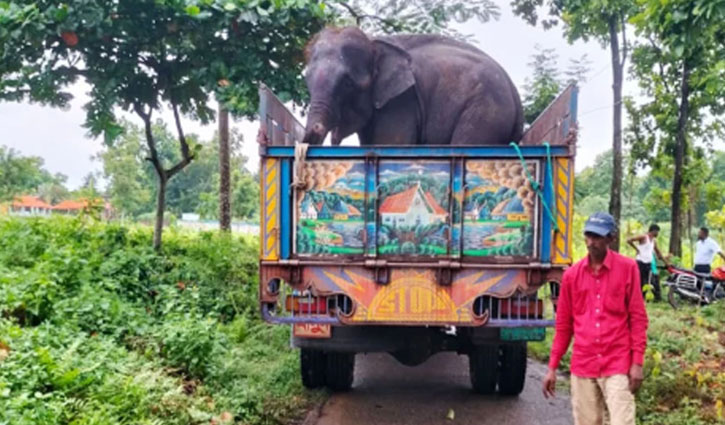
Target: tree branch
{"type": "Point", "coordinates": [150, 141]}
{"type": "Point", "coordinates": [360, 16]}
{"type": "Point", "coordinates": [186, 156]}
{"type": "Point", "coordinates": [659, 63]}
{"type": "Point", "coordinates": [180, 131]}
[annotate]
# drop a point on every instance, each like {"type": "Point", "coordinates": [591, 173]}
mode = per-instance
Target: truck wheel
{"type": "Point", "coordinates": [312, 368]}
{"type": "Point", "coordinates": [513, 369]}
{"type": "Point", "coordinates": [340, 370]}
{"type": "Point", "coordinates": [483, 368]}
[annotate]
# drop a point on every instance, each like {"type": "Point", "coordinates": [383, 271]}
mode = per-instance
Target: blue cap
{"type": "Point", "coordinates": [600, 223]}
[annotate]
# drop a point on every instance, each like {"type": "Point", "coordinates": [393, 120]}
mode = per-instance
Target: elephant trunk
{"type": "Point", "coordinates": [319, 122]}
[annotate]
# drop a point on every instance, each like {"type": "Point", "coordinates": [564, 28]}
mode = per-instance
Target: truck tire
{"type": "Point", "coordinates": [483, 368]}
{"type": "Point", "coordinates": [340, 371]}
{"type": "Point", "coordinates": [512, 373]}
{"type": "Point", "coordinates": [312, 368]}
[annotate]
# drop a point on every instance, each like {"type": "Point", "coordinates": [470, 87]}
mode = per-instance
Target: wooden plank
{"type": "Point", "coordinates": [282, 127]}
{"type": "Point", "coordinates": [554, 123]}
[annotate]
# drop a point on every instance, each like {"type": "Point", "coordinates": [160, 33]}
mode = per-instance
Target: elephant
{"type": "Point", "coordinates": [407, 89]}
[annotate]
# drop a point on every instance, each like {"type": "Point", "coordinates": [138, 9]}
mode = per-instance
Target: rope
{"type": "Point", "coordinates": [298, 180]}
{"type": "Point", "coordinates": [534, 184]}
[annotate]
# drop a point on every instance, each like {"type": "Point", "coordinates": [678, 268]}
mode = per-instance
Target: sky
{"type": "Point", "coordinates": [59, 138]}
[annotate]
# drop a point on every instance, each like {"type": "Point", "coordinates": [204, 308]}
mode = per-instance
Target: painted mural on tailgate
{"type": "Point", "coordinates": [413, 207]}
{"type": "Point", "coordinates": [499, 208]}
{"type": "Point", "coordinates": [329, 209]}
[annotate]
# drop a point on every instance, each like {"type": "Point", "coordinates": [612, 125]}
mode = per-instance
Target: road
{"type": "Point", "coordinates": [386, 392]}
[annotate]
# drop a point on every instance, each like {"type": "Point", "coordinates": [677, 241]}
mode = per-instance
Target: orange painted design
{"type": "Point", "coordinates": [412, 297]}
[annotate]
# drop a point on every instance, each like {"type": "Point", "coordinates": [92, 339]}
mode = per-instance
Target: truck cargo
{"type": "Point", "coordinates": [414, 250]}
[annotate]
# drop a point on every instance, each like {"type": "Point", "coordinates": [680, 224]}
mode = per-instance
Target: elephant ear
{"type": "Point", "coordinates": [393, 72]}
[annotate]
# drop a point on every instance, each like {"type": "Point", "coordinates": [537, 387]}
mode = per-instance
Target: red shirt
{"type": "Point", "coordinates": [605, 314]}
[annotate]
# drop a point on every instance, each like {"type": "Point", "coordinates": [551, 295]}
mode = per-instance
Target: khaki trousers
{"type": "Point", "coordinates": [590, 397]}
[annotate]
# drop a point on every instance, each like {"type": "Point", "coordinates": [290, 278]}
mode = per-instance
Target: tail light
{"type": "Point", "coordinates": [522, 308]}
{"type": "Point", "coordinates": [306, 304]}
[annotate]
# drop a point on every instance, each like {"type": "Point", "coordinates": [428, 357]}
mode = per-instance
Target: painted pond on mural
{"type": "Point", "coordinates": [413, 207]}
{"type": "Point", "coordinates": [329, 211]}
{"type": "Point", "coordinates": [498, 208]}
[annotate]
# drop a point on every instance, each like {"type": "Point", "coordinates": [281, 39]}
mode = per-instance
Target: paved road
{"type": "Point", "coordinates": [386, 392]}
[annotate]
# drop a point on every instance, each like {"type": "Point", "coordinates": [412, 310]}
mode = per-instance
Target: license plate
{"type": "Point", "coordinates": [523, 334]}
{"type": "Point", "coordinates": [312, 330]}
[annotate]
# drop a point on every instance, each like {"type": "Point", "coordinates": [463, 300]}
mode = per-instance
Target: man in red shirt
{"type": "Point", "coordinates": [600, 305]}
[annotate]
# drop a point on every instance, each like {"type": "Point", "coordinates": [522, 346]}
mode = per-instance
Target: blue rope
{"type": "Point", "coordinates": [534, 184]}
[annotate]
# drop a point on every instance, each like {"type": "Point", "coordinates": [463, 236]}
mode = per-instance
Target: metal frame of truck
{"type": "Point", "coordinates": [413, 307]}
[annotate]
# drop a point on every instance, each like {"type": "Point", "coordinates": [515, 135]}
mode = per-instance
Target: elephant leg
{"type": "Point", "coordinates": [394, 124]}
{"type": "Point", "coordinates": [484, 123]}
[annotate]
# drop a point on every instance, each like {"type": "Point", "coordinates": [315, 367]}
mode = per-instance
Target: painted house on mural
{"type": "Point", "coordinates": [30, 206]}
{"type": "Point", "coordinates": [307, 209]}
{"type": "Point", "coordinates": [511, 210]}
{"type": "Point", "coordinates": [323, 213]}
{"type": "Point", "coordinates": [344, 211]}
{"type": "Point", "coordinates": [411, 207]}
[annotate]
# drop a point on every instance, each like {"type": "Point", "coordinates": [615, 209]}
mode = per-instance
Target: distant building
{"type": "Point", "coordinates": [30, 206]}
{"type": "Point", "coordinates": [74, 207]}
{"type": "Point", "coordinates": [69, 207]}
{"type": "Point", "coordinates": [411, 207]}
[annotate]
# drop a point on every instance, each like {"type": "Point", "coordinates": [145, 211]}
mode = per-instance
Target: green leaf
{"type": "Point", "coordinates": [230, 7]}
{"type": "Point", "coordinates": [193, 10]}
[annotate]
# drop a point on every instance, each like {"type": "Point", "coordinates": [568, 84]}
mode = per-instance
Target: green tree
{"type": "Point", "coordinates": [142, 56]}
{"type": "Point", "coordinates": [679, 66]}
{"type": "Point", "coordinates": [22, 175]}
{"type": "Point", "coordinates": [605, 21]}
{"type": "Point", "coordinates": [414, 16]}
{"type": "Point", "coordinates": [546, 83]}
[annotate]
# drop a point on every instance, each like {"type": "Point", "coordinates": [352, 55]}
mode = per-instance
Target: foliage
{"type": "Point", "coordinates": [546, 83]}
{"type": "Point", "coordinates": [679, 65]}
{"type": "Point", "coordinates": [417, 16]}
{"type": "Point", "coordinates": [97, 327]}
{"type": "Point", "coordinates": [131, 178]}
{"type": "Point", "coordinates": [24, 175]}
{"type": "Point", "coordinates": [140, 56]}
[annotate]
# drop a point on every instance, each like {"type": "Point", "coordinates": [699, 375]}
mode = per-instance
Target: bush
{"type": "Point", "coordinates": [96, 327]}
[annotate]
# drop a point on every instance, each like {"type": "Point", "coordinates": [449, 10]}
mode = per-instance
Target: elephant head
{"type": "Point", "coordinates": [349, 76]}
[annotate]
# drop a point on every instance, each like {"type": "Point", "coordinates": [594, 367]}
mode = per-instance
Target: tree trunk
{"type": "Point", "coordinates": [225, 217]}
{"type": "Point", "coordinates": [615, 194]}
{"type": "Point", "coordinates": [160, 206]}
{"type": "Point", "coordinates": [680, 150]}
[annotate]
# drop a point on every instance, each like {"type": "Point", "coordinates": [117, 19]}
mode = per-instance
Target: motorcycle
{"type": "Point", "coordinates": [698, 288]}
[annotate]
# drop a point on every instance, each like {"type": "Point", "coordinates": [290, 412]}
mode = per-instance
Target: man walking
{"type": "Point", "coordinates": [600, 305]}
{"type": "Point", "coordinates": [646, 249]}
{"type": "Point", "coordinates": [705, 250]}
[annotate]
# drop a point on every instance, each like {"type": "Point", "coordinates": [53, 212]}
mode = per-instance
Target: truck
{"type": "Point", "coordinates": [415, 250]}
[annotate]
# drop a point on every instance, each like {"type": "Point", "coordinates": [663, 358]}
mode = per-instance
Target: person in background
{"type": "Point", "coordinates": [601, 306]}
{"type": "Point", "coordinates": [705, 250]}
{"type": "Point", "coordinates": [646, 249]}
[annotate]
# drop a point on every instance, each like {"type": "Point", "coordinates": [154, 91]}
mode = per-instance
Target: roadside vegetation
{"type": "Point", "coordinates": [98, 328]}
